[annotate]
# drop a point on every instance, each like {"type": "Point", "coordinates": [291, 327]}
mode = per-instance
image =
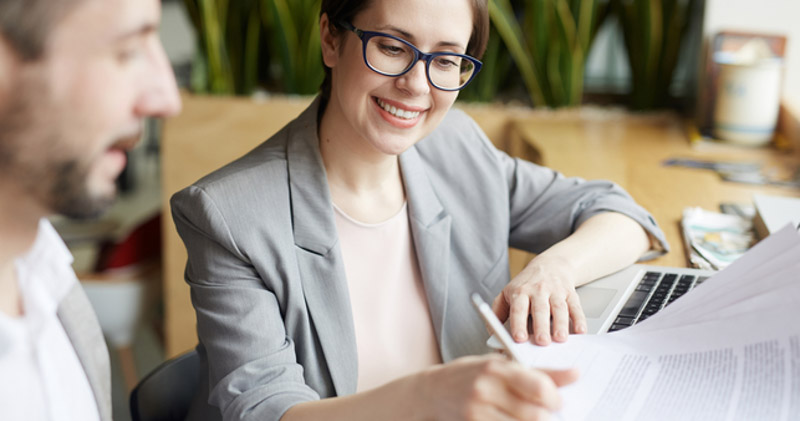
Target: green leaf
{"type": "Point", "coordinates": [507, 26]}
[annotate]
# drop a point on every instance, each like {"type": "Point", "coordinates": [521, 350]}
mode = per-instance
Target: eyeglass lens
{"type": "Point", "coordinates": [392, 57]}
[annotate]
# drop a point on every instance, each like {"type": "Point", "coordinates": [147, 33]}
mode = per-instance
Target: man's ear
{"type": "Point", "coordinates": [330, 41]}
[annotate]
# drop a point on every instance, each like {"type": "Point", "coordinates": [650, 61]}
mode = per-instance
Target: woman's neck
{"type": "Point", "coordinates": [365, 183]}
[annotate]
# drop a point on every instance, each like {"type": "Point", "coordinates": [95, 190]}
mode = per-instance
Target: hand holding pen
{"type": "Point", "coordinates": [558, 377]}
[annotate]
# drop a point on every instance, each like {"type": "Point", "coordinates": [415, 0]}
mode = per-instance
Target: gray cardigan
{"type": "Point", "coordinates": [267, 277]}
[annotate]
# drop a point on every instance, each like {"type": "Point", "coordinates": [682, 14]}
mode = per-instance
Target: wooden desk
{"type": "Point", "coordinates": [629, 149]}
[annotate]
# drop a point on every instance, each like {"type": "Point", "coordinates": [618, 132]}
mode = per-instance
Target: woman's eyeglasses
{"type": "Point", "coordinates": [392, 56]}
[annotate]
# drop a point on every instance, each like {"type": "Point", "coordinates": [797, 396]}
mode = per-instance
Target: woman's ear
{"type": "Point", "coordinates": [329, 40]}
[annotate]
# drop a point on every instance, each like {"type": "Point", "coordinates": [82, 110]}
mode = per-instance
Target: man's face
{"type": "Point", "coordinates": [67, 118]}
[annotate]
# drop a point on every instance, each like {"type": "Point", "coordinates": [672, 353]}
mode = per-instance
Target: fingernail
{"type": "Point", "coordinates": [519, 337]}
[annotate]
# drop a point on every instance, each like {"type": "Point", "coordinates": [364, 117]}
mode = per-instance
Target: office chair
{"type": "Point", "coordinates": [166, 392]}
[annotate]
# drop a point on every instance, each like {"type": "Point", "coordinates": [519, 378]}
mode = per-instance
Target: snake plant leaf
{"type": "Point", "coordinates": [653, 31]}
{"type": "Point", "coordinates": [220, 80]}
{"type": "Point", "coordinates": [238, 38]}
{"type": "Point", "coordinates": [502, 16]}
{"type": "Point", "coordinates": [284, 24]}
{"type": "Point", "coordinates": [252, 44]}
{"type": "Point", "coordinates": [551, 46]}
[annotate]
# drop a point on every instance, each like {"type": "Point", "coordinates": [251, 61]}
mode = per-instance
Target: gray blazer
{"type": "Point", "coordinates": [267, 277]}
{"type": "Point", "coordinates": [83, 330]}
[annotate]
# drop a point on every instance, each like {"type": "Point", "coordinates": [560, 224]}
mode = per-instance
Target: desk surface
{"type": "Point", "coordinates": [629, 150]}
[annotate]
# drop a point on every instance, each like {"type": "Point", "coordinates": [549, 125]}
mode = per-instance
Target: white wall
{"type": "Point", "coordinates": [768, 16]}
{"type": "Point", "coordinates": [176, 33]}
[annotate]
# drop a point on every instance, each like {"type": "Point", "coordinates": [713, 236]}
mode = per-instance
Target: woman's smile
{"type": "Point", "coordinates": [398, 114]}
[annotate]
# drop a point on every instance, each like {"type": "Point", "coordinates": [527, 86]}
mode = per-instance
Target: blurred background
{"type": "Point", "coordinates": [642, 56]}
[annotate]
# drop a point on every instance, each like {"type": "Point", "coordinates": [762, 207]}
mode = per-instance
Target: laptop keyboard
{"type": "Point", "coordinates": [655, 291]}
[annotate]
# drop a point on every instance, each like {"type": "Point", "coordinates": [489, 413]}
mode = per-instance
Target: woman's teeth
{"type": "Point", "coordinates": [391, 109]}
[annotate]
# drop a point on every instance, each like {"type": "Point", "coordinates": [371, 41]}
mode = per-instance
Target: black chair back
{"type": "Point", "coordinates": [166, 392]}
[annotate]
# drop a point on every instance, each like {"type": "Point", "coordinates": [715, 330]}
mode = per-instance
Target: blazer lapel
{"type": "Point", "coordinates": [321, 266]}
{"type": "Point", "coordinates": [83, 330]}
{"type": "Point", "coordinates": [430, 228]}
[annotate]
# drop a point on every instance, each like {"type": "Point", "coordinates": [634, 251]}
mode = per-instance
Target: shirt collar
{"type": "Point", "coordinates": [47, 266]}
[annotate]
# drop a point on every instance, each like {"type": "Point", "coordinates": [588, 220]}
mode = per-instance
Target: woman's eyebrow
{"type": "Point", "coordinates": [410, 38]}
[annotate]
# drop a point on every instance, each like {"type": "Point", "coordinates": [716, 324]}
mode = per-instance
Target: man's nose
{"type": "Point", "coordinates": [160, 97]}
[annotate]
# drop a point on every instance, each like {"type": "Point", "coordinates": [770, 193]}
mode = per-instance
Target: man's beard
{"type": "Point", "coordinates": [36, 158]}
{"type": "Point", "coordinates": [69, 192]}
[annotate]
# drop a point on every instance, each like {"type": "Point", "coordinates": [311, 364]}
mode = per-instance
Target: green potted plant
{"type": "Point", "coordinates": [653, 31]}
{"type": "Point", "coordinates": [549, 41]}
{"type": "Point", "coordinates": [246, 44]}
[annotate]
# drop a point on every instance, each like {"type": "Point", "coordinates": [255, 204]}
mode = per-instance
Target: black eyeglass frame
{"type": "Point", "coordinates": [418, 55]}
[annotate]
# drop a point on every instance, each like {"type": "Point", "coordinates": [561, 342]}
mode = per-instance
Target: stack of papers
{"type": "Point", "coordinates": [727, 350]}
{"type": "Point", "coordinates": [773, 212]}
{"type": "Point", "coordinates": [714, 240]}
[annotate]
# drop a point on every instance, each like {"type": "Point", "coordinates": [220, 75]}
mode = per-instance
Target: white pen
{"type": "Point", "coordinates": [497, 328]}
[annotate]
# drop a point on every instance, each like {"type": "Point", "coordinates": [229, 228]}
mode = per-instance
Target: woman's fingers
{"type": "Point", "coordinates": [520, 308]}
{"type": "Point", "coordinates": [518, 409]}
{"type": "Point", "coordinates": [522, 393]}
{"type": "Point", "coordinates": [560, 312]}
{"type": "Point", "coordinates": [549, 304]}
{"type": "Point", "coordinates": [576, 313]}
{"type": "Point", "coordinates": [501, 307]}
{"type": "Point", "coordinates": [499, 401]}
{"type": "Point", "coordinates": [489, 413]}
{"type": "Point", "coordinates": [490, 387]}
{"type": "Point", "coordinates": [541, 319]}
{"type": "Point", "coordinates": [534, 387]}
{"type": "Point", "coordinates": [562, 377]}
{"type": "Point", "coordinates": [541, 306]}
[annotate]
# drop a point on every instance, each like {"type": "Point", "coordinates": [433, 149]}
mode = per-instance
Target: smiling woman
{"type": "Point", "coordinates": [331, 267]}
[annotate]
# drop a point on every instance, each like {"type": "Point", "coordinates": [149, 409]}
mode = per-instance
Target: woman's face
{"type": "Point", "coordinates": [389, 114]}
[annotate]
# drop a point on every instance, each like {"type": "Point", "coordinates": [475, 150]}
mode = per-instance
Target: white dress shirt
{"type": "Point", "coordinates": [41, 377]}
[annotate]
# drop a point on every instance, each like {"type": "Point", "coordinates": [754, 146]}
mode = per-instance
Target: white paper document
{"type": "Point", "coordinates": [727, 350]}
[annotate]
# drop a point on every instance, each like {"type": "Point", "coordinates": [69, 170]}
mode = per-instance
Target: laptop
{"type": "Point", "coordinates": [633, 294]}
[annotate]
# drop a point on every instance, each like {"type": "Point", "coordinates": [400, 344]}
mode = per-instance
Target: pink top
{"type": "Point", "coordinates": [394, 333]}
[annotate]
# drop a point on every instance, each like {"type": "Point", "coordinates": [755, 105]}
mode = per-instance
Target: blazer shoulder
{"type": "Point", "coordinates": [456, 121]}
{"type": "Point", "coordinates": [269, 156]}
{"type": "Point", "coordinates": [262, 170]}
{"type": "Point", "coordinates": [458, 135]}
{"type": "Point", "coordinates": [266, 164]}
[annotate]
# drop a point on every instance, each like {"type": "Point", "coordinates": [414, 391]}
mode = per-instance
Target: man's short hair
{"type": "Point", "coordinates": [26, 24]}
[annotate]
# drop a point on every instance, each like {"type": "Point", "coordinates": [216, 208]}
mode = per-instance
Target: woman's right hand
{"type": "Point", "coordinates": [491, 387]}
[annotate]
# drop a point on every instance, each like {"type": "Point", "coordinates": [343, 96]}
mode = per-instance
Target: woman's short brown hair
{"type": "Point", "coordinates": [346, 10]}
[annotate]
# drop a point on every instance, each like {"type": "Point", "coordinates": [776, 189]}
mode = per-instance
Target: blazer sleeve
{"type": "Point", "coordinates": [253, 368]}
{"type": "Point", "coordinates": [546, 207]}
